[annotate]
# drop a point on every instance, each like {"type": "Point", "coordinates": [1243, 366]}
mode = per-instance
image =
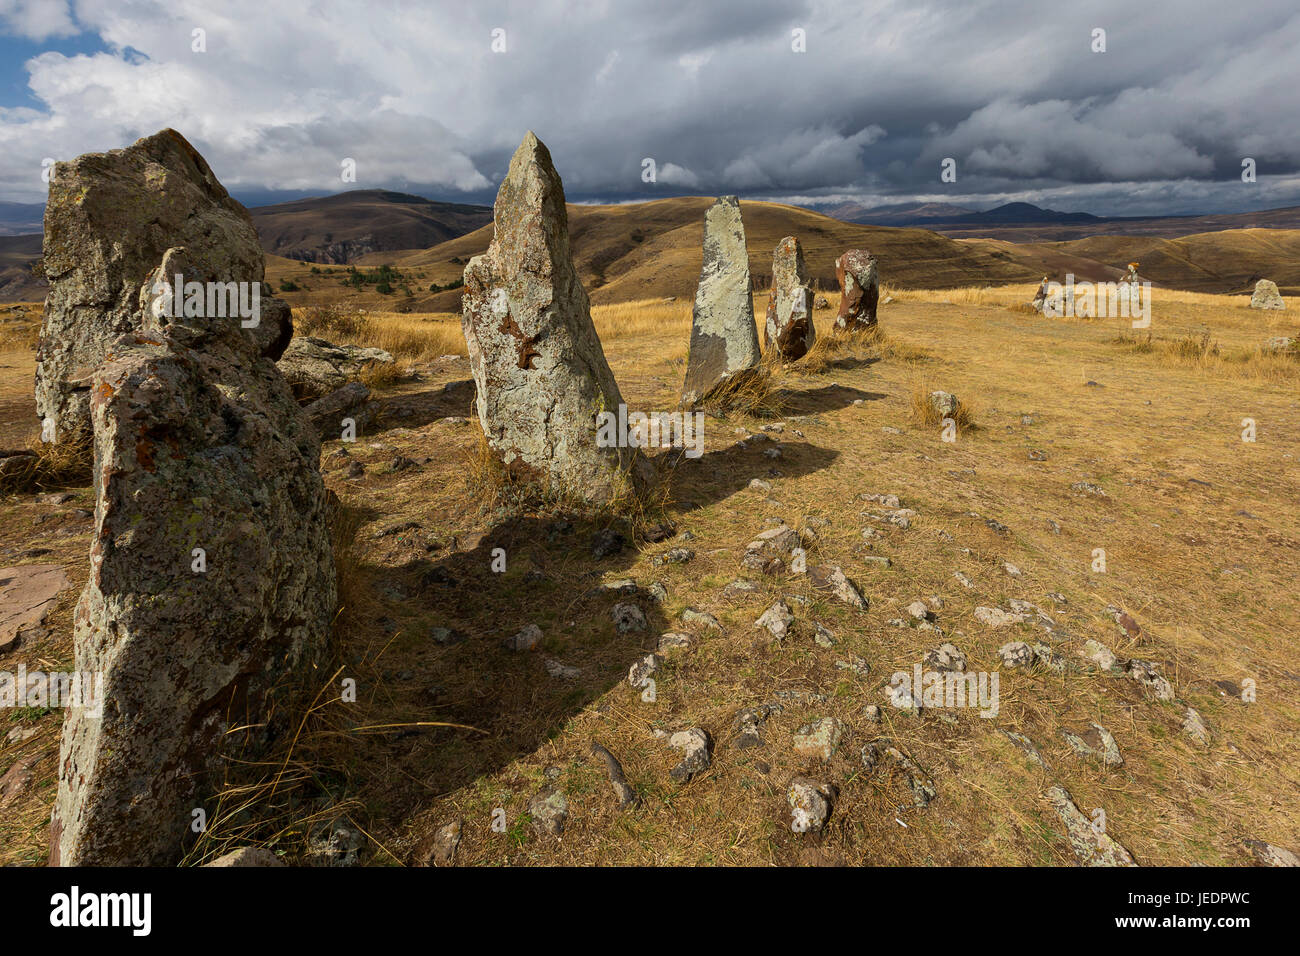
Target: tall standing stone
{"type": "Point", "coordinates": [790, 303]}
{"type": "Point", "coordinates": [212, 581]}
{"type": "Point", "coordinates": [1266, 296]}
{"type": "Point", "coordinates": [540, 370]}
{"type": "Point", "coordinates": [724, 338]}
{"type": "Point", "coordinates": [859, 290]}
{"type": "Point", "coordinates": [108, 220]}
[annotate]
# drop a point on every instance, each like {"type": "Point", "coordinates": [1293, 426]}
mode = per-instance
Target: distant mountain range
{"type": "Point", "coordinates": [340, 229]}
{"type": "Point", "coordinates": [330, 230]}
{"type": "Point", "coordinates": [21, 218]}
{"type": "Point", "coordinates": [642, 250]}
{"type": "Point", "coordinates": [1025, 222]}
{"type": "Point", "coordinates": [652, 250]}
{"type": "Point", "coordinates": [17, 283]}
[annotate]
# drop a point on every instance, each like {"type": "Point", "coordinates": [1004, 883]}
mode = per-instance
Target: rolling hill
{"type": "Point", "coordinates": [652, 250]}
{"type": "Point", "coordinates": [20, 218]}
{"type": "Point", "coordinates": [1025, 222]}
{"type": "Point", "coordinates": [17, 283]}
{"type": "Point", "coordinates": [339, 229]}
{"type": "Point", "coordinates": [1230, 261]}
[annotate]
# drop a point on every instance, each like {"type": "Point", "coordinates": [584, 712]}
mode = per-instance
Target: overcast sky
{"type": "Point", "coordinates": [711, 90]}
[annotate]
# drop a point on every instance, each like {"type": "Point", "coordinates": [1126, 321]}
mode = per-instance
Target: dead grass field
{"type": "Point", "coordinates": [1201, 538]}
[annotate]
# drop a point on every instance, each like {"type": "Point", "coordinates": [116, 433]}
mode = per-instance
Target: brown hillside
{"type": "Point", "coordinates": [1226, 262]}
{"type": "Point", "coordinates": [17, 283]}
{"type": "Point", "coordinates": [338, 229]}
{"type": "Point", "coordinates": [648, 250]}
{"type": "Point", "coordinates": [638, 251]}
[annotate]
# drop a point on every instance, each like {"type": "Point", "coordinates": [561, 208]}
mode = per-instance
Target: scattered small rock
{"type": "Point", "coordinates": [697, 748]}
{"type": "Point", "coordinates": [549, 811]}
{"type": "Point", "coordinates": [525, 640]}
{"type": "Point", "coordinates": [810, 804]}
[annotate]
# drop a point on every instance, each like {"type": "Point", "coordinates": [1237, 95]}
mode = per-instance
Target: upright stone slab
{"type": "Point", "coordinates": [108, 220]}
{"type": "Point", "coordinates": [724, 338]}
{"type": "Point", "coordinates": [1266, 296]}
{"type": "Point", "coordinates": [541, 373]}
{"type": "Point", "coordinates": [212, 583]}
{"type": "Point", "coordinates": [859, 290]}
{"type": "Point", "coordinates": [789, 327]}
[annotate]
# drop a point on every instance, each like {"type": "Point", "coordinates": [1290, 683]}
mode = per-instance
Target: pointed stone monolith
{"type": "Point", "coordinates": [541, 375]}
{"type": "Point", "coordinates": [790, 303]}
{"type": "Point", "coordinates": [212, 585]}
{"type": "Point", "coordinates": [724, 338]}
{"type": "Point", "coordinates": [859, 290]}
{"type": "Point", "coordinates": [109, 219]}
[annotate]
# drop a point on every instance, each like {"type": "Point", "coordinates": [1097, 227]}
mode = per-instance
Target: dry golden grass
{"type": "Point", "coordinates": [1202, 353]}
{"type": "Point", "coordinates": [492, 489]}
{"type": "Point", "coordinates": [1202, 550]}
{"type": "Point", "coordinates": [21, 332]}
{"type": "Point", "coordinates": [1173, 802]}
{"type": "Point", "coordinates": [410, 337]}
{"type": "Point", "coordinates": [925, 411]}
{"type": "Point", "coordinates": [67, 464]}
{"type": "Point", "coordinates": [670, 320]}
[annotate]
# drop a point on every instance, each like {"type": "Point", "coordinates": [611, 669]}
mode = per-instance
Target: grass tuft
{"type": "Point", "coordinates": [67, 464]}
{"type": "Point", "coordinates": [925, 413]}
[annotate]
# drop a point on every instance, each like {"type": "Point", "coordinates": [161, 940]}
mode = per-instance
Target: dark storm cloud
{"type": "Point", "coordinates": [712, 92]}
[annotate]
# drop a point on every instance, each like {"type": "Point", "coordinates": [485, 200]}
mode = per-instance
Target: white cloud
{"type": "Point", "coordinates": [413, 91]}
{"type": "Point", "coordinates": [674, 175]}
{"type": "Point", "coordinates": [37, 20]}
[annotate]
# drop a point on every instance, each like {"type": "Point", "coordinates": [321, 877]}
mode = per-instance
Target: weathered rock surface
{"type": "Point", "coordinates": [549, 811]}
{"type": "Point", "coordinates": [1091, 847]}
{"type": "Point", "coordinates": [199, 444]}
{"type": "Point", "coordinates": [1266, 296]}
{"type": "Point", "coordinates": [1016, 654]}
{"type": "Point", "coordinates": [27, 593]}
{"type": "Point", "coordinates": [859, 290]}
{"type": "Point", "coordinates": [697, 753]}
{"type": "Point", "coordinates": [16, 779]}
{"type": "Point", "coordinates": [109, 219]}
{"type": "Point", "coordinates": [314, 367]}
{"type": "Point", "coordinates": [810, 804]}
{"type": "Point", "coordinates": [1269, 855]}
{"type": "Point", "coordinates": [1098, 743]}
{"type": "Point", "coordinates": [724, 337]}
{"type": "Point", "coordinates": [819, 739]}
{"type": "Point", "coordinates": [831, 578]}
{"type": "Point", "coordinates": [247, 856]}
{"type": "Point", "coordinates": [541, 374]}
{"type": "Point", "coordinates": [328, 415]}
{"type": "Point", "coordinates": [789, 326]}
{"type": "Point", "coordinates": [1194, 726]}
{"type": "Point", "coordinates": [776, 620]}
{"type": "Point", "coordinates": [944, 403]}
{"type": "Point", "coordinates": [446, 840]}
{"type": "Point", "coordinates": [627, 797]}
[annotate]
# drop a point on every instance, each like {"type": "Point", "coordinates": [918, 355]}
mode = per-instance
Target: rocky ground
{"type": "Point", "coordinates": [671, 689]}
